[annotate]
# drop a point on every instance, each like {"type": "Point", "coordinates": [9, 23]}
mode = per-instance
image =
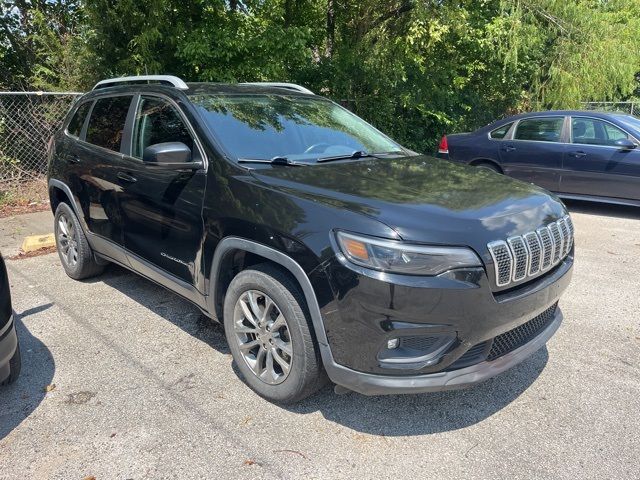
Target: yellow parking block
{"type": "Point", "coordinates": [36, 242]}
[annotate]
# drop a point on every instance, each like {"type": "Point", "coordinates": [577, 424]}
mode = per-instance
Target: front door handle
{"type": "Point", "coordinates": [508, 148]}
{"type": "Point", "coordinates": [126, 177]}
{"type": "Point", "coordinates": [579, 154]}
{"type": "Point", "coordinates": [73, 159]}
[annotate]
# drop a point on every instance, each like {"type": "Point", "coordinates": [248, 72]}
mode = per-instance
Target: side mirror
{"type": "Point", "coordinates": [170, 155]}
{"type": "Point", "coordinates": [625, 144]}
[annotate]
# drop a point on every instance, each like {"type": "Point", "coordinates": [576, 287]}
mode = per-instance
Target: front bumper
{"type": "Point", "coordinates": [370, 384]}
{"type": "Point", "coordinates": [8, 345]}
{"type": "Point", "coordinates": [462, 307]}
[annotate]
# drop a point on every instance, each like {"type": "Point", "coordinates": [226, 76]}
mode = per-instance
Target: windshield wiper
{"type": "Point", "coordinates": [355, 154]}
{"type": "Point", "coordinates": [277, 160]}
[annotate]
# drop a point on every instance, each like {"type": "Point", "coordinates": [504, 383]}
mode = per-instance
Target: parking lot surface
{"type": "Point", "coordinates": [141, 385]}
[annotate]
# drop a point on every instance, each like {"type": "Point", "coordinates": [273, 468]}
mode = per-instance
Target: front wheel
{"type": "Point", "coordinates": [270, 335]}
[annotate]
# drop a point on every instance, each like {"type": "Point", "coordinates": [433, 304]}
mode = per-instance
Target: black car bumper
{"type": "Point", "coordinates": [468, 332]}
{"type": "Point", "coordinates": [8, 345]}
{"type": "Point", "coordinates": [369, 384]}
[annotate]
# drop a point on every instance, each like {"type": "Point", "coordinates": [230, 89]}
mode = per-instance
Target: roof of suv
{"type": "Point", "coordinates": [200, 88]}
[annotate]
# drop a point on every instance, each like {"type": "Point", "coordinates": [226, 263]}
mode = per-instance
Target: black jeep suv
{"type": "Point", "coordinates": [324, 247]}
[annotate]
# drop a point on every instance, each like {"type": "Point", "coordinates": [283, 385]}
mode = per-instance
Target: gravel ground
{"type": "Point", "coordinates": [145, 388]}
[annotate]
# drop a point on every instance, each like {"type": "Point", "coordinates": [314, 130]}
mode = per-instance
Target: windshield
{"type": "Point", "coordinates": [630, 121]}
{"type": "Point", "coordinates": [297, 128]}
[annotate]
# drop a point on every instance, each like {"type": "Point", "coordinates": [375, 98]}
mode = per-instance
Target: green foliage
{"type": "Point", "coordinates": [415, 69]}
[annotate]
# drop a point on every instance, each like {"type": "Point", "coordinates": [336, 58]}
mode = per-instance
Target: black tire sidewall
{"type": "Point", "coordinates": [488, 166]}
{"type": "Point", "coordinates": [294, 386]}
{"type": "Point", "coordinates": [86, 265]}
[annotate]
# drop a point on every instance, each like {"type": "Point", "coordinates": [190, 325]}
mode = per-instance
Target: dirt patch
{"type": "Point", "coordinates": [35, 253]}
{"type": "Point", "coordinates": [79, 398]}
{"type": "Point", "coordinates": [25, 196]}
{"type": "Point", "coordinates": [12, 210]}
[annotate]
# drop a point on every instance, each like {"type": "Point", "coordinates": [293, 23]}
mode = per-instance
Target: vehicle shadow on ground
{"type": "Point", "coordinates": [165, 304]}
{"type": "Point", "coordinates": [603, 209]}
{"type": "Point", "coordinates": [426, 413]}
{"type": "Point", "coordinates": [397, 415]}
{"type": "Point", "coordinates": [20, 399]}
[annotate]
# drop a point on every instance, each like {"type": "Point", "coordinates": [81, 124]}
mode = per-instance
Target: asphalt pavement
{"type": "Point", "coordinates": [124, 380]}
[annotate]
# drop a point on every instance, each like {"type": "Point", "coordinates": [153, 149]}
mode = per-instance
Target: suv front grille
{"type": "Point", "coordinates": [534, 252]}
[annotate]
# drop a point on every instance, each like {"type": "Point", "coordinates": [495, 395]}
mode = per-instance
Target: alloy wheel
{"type": "Point", "coordinates": [67, 240]}
{"type": "Point", "coordinates": [262, 333]}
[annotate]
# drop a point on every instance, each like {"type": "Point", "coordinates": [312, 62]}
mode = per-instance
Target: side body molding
{"type": "Point", "coordinates": [232, 243]}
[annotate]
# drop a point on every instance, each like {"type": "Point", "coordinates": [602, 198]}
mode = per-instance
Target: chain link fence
{"type": "Point", "coordinates": [27, 122]}
{"type": "Point", "coordinates": [632, 108]}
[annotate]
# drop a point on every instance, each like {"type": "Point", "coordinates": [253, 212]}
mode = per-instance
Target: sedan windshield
{"type": "Point", "coordinates": [630, 121]}
{"type": "Point", "coordinates": [264, 127]}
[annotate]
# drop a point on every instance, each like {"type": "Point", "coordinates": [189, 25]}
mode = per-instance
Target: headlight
{"type": "Point", "coordinates": [397, 257]}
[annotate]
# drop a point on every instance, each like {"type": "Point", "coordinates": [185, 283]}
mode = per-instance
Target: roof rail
{"type": "Point", "coordinates": [288, 86]}
{"type": "Point", "coordinates": [162, 79]}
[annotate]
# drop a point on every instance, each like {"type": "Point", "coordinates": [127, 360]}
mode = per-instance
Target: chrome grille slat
{"type": "Point", "coordinates": [547, 247]}
{"type": "Point", "coordinates": [520, 258]}
{"type": "Point", "coordinates": [535, 251]}
{"type": "Point", "coordinates": [503, 261]}
{"type": "Point", "coordinates": [568, 236]}
{"type": "Point", "coordinates": [525, 256]}
{"type": "Point", "coordinates": [557, 240]}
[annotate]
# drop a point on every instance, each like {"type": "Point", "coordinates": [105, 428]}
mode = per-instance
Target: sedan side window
{"type": "Point", "coordinates": [106, 124]}
{"type": "Point", "coordinates": [589, 131]}
{"type": "Point", "coordinates": [157, 121]}
{"type": "Point", "coordinates": [500, 132]}
{"type": "Point", "coordinates": [540, 129]}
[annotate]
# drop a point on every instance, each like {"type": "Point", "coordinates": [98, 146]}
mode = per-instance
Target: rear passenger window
{"type": "Point", "coordinates": [500, 132]}
{"type": "Point", "coordinates": [77, 121]}
{"type": "Point", "coordinates": [106, 124]}
{"type": "Point", "coordinates": [157, 121]}
{"type": "Point", "coordinates": [540, 129]}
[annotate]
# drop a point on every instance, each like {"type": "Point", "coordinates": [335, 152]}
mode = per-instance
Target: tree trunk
{"type": "Point", "coordinates": [331, 27]}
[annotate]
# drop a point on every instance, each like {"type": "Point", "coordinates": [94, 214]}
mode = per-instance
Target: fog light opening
{"type": "Point", "coordinates": [393, 343]}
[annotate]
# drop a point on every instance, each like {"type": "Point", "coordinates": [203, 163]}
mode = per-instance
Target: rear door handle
{"type": "Point", "coordinates": [578, 154]}
{"type": "Point", "coordinates": [73, 159]}
{"type": "Point", "coordinates": [126, 177]}
{"type": "Point", "coordinates": [508, 148]}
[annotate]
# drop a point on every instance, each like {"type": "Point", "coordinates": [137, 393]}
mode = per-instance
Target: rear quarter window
{"type": "Point", "coordinates": [106, 124]}
{"type": "Point", "coordinates": [77, 121]}
{"type": "Point", "coordinates": [500, 132]}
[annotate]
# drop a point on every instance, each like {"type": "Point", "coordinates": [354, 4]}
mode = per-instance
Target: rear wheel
{"type": "Point", "coordinates": [270, 335]}
{"type": "Point", "coordinates": [488, 166]}
{"type": "Point", "coordinates": [74, 250]}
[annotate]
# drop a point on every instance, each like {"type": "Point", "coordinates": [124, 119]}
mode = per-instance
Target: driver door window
{"type": "Point", "coordinates": [157, 121]}
{"type": "Point", "coordinates": [589, 131]}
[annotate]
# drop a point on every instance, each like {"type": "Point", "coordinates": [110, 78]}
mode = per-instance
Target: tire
{"type": "Point", "coordinates": [488, 166]}
{"type": "Point", "coordinates": [15, 365]}
{"type": "Point", "coordinates": [74, 251]}
{"type": "Point", "coordinates": [294, 335]}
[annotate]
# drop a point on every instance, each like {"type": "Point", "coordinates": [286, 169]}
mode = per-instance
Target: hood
{"type": "Point", "coordinates": [424, 199]}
